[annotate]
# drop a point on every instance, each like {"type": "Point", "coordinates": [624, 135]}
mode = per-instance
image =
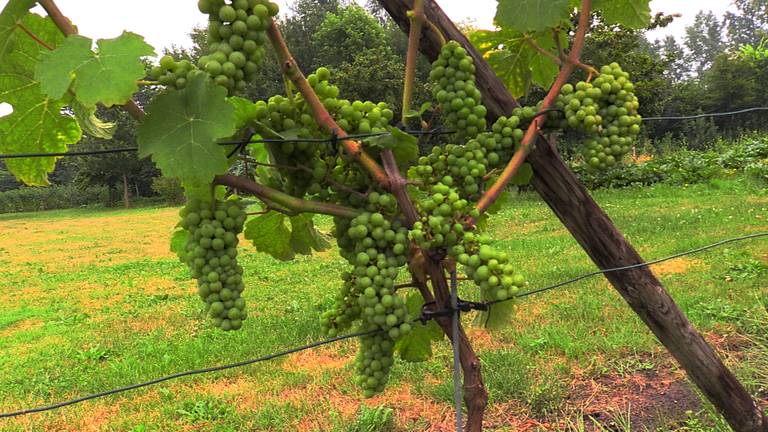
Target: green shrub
{"type": "Point", "coordinates": [748, 155]}
{"type": "Point", "coordinates": [29, 199]}
{"type": "Point", "coordinates": [168, 189]}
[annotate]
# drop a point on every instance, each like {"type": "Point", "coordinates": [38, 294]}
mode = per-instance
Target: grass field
{"type": "Point", "coordinates": [93, 299]}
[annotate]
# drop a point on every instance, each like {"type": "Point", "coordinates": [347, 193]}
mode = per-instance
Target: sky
{"type": "Point", "coordinates": [167, 22]}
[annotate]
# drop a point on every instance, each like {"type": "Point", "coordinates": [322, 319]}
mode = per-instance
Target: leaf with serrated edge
{"type": "Point", "coordinates": [497, 317]}
{"type": "Point", "coordinates": [182, 129]}
{"type": "Point", "coordinates": [36, 124]}
{"type": "Point", "coordinates": [532, 15]}
{"type": "Point", "coordinates": [110, 78]}
{"type": "Point", "coordinates": [634, 14]}
{"type": "Point", "coordinates": [245, 110]}
{"type": "Point", "coordinates": [304, 236]}
{"type": "Point", "coordinates": [270, 235]}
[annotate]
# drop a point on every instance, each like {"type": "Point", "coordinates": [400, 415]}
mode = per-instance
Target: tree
{"type": "Point", "coordinates": [704, 40]}
{"type": "Point", "coordinates": [749, 25]}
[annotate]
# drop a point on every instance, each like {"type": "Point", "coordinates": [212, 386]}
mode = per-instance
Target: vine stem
{"type": "Point", "coordinates": [323, 118]}
{"type": "Point", "coordinates": [282, 199]}
{"type": "Point", "coordinates": [493, 193]}
{"type": "Point", "coordinates": [66, 27]}
{"type": "Point", "coordinates": [414, 36]}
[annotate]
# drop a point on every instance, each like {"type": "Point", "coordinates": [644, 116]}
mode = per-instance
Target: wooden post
{"type": "Point", "coordinates": [603, 242]}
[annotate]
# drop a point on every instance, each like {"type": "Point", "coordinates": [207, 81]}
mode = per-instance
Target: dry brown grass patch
{"type": "Point", "coordinates": [677, 266]}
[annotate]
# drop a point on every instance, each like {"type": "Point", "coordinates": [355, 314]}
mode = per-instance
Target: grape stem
{"type": "Point", "coordinates": [414, 37]}
{"type": "Point", "coordinates": [493, 193]}
{"type": "Point", "coordinates": [323, 118]}
{"type": "Point", "coordinates": [66, 27]}
{"type": "Point", "coordinates": [275, 198]}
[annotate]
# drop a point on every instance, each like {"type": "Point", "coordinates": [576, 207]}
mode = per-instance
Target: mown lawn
{"type": "Point", "coordinates": [93, 299]}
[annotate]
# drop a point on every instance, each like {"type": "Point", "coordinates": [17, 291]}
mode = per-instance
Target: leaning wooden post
{"type": "Point", "coordinates": [603, 242]}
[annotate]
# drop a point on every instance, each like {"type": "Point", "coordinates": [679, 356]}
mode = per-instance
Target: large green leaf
{"type": "Point", "coordinates": [36, 124]}
{"type": "Point", "coordinates": [11, 16]}
{"type": "Point", "coordinates": [405, 147]}
{"type": "Point", "coordinates": [270, 235]}
{"type": "Point", "coordinates": [634, 14]}
{"type": "Point", "coordinates": [417, 345]}
{"type": "Point", "coordinates": [182, 129]}
{"type": "Point", "coordinates": [515, 60]}
{"type": "Point", "coordinates": [532, 15]}
{"type": "Point", "coordinates": [107, 76]}
{"type": "Point", "coordinates": [304, 236]}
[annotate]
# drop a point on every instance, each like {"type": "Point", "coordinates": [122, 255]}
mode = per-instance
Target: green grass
{"type": "Point", "coordinates": [92, 300]}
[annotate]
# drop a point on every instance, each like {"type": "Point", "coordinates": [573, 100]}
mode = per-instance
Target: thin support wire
{"type": "Point", "coordinates": [633, 266]}
{"type": "Point", "coordinates": [698, 116]}
{"type": "Point", "coordinates": [457, 393]}
{"type": "Point", "coordinates": [183, 374]}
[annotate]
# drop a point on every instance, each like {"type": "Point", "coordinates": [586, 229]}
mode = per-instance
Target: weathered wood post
{"type": "Point", "coordinates": [603, 242]}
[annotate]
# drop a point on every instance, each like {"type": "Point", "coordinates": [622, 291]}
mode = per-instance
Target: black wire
{"type": "Point", "coordinates": [82, 153]}
{"type": "Point", "coordinates": [629, 267]}
{"type": "Point", "coordinates": [353, 335]}
{"type": "Point", "coordinates": [436, 131]}
{"type": "Point", "coordinates": [718, 114]}
{"type": "Point", "coordinates": [183, 374]}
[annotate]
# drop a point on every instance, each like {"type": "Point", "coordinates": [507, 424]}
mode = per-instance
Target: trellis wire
{"type": "Point", "coordinates": [335, 138]}
{"type": "Point", "coordinates": [454, 309]}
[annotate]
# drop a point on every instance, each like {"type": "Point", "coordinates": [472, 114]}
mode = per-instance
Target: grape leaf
{"type": "Point", "coordinates": [304, 236]}
{"type": "Point", "coordinates": [181, 130]}
{"type": "Point", "coordinates": [404, 146]}
{"type": "Point", "coordinates": [523, 176]}
{"type": "Point", "coordinates": [532, 15]}
{"type": "Point", "coordinates": [12, 14]}
{"type": "Point", "coordinates": [270, 235]}
{"type": "Point", "coordinates": [107, 76]}
{"type": "Point", "coordinates": [179, 239]}
{"type": "Point", "coordinates": [245, 111]}
{"type": "Point", "coordinates": [36, 124]}
{"type": "Point", "coordinates": [634, 14]}
{"type": "Point", "coordinates": [90, 123]}
{"type": "Point", "coordinates": [498, 316]}
{"type": "Point", "coordinates": [417, 345]}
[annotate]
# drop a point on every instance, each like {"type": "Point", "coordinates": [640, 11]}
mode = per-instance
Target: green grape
{"type": "Point", "coordinates": [211, 256]}
{"type": "Point", "coordinates": [453, 78]}
{"type": "Point", "coordinates": [606, 111]}
{"type": "Point", "coordinates": [368, 294]}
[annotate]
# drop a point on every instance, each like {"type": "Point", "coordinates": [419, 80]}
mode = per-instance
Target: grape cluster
{"type": "Point", "coordinates": [606, 110]}
{"type": "Point", "coordinates": [293, 117]}
{"type": "Point", "coordinates": [491, 270]}
{"type": "Point", "coordinates": [376, 248]}
{"type": "Point", "coordinates": [171, 73]}
{"type": "Point", "coordinates": [453, 77]}
{"type": "Point", "coordinates": [211, 254]}
{"type": "Point", "coordinates": [236, 39]}
{"type": "Point", "coordinates": [442, 226]}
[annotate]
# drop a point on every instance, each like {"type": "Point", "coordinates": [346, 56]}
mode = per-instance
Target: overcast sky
{"type": "Point", "coordinates": [166, 22]}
